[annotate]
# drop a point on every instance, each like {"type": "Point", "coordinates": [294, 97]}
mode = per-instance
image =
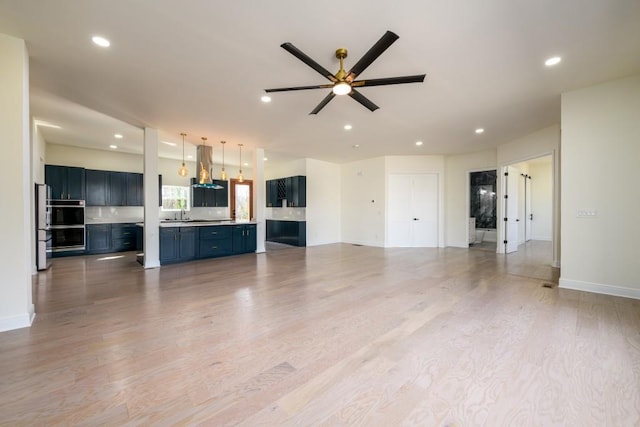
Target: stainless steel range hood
{"type": "Point", "coordinates": [204, 161]}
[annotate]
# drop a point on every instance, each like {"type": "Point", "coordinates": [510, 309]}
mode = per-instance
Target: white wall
{"type": "Point", "coordinates": [541, 200]}
{"type": "Point", "coordinates": [285, 169]}
{"type": "Point", "coordinates": [16, 307]}
{"type": "Point", "coordinates": [420, 165]}
{"type": "Point", "coordinates": [600, 153]}
{"type": "Point", "coordinates": [323, 202]}
{"type": "Point", "coordinates": [363, 202]}
{"type": "Point", "coordinates": [457, 193]}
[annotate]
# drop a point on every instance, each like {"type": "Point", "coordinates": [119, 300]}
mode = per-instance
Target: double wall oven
{"type": "Point", "coordinates": [67, 225]}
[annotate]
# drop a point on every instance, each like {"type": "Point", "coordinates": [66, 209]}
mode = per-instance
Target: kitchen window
{"type": "Point", "coordinates": [175, 198]}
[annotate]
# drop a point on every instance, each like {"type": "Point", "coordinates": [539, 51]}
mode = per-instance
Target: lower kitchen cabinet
{"type": "Point", "coordinates": [98, 238]}
{"type": "Point", "coordinates": [177, 244]}
{"type": "Point", "coordinates": [214, 241]}
{"type": "Point", "coordinates": [244, 238]}
{"type": "Point", "coordinates": [105, 238]}
{"type": "Point", "coordinates": [287, 232]}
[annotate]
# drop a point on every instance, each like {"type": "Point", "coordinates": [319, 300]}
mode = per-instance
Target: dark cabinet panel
{"type": "Point", "coordinates": [117, 188]}
{"type": "Point", "coordinates": [177, 244]}
{"type": "Point", "coordinates": [244, 238]}
{"type": "Point", "coordinates": [135, 189]}
{"type": "Point", "coordinates": [272, 193]}
{"type": "Point", "coordinates": [110, 188]}
{"type": "Point", "coordinates": [293, 189]}
{"type": "Point", "coordinates": [104, 238]}
{"type": "Point", "coordinates": [214, 241]}
{"type": "Point", "coordinates": [96, 187]}
{"type": "Point", "coordinates": [65, 182]}
{"type": "Point", "coordinates": [287, 232]}
{"type": "Point", "coordinates": [210, 197]}
{"type": "Point", "coordinates": [98, 238]}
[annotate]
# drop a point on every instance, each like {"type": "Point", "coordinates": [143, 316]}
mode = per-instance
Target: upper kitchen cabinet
{"type": "Point", "coordinates": [107, 188]}
{"type": "Point", "coordinates": [293, 189]}
{"type": "Point", "coordinates": [202, 197]}
{"type": "Point", "coordinates": [296, 191]}
{"type": "Point", "coordinates": [65, 182]}
{"type": "Point", "coordinates": [97, 183]}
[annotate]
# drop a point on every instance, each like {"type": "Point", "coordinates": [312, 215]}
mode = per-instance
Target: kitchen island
{"type": "Point", "coordinates": [182, 241]}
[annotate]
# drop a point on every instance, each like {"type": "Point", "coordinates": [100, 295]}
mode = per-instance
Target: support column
{"type": "Point", "coordinates": [259, 198]}
{"type": "Point", "coordinates": [151, 198]}
{"type": "Point", "coordinates": [16, 306]}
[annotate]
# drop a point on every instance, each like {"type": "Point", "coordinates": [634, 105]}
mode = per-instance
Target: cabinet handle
{"type": "Point", "coordinates": [214, 232]}
{"type": "Point", "coordinates": [214, 247]}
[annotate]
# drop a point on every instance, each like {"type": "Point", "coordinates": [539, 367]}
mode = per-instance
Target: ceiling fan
{"type": "Point", "coordinates": [345, 83]}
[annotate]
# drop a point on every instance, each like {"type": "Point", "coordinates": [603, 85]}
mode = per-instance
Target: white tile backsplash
{"type": "Point", "coordinates": [289, 214]}
{"type": "Point", "coordinates": [113, 214]}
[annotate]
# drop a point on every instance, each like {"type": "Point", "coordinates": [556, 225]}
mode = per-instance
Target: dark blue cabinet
{"type": "Point", "coordinates": [98, 238]}
{"type": "Point", "coordinates": [123, 237]}
{"type": "Point", "coordinates": [293, 189]}
{"type": "Point", "coordinates": [109, 188]}
{"type": "Point", "coordinates": [177, 244]}
{"type": "Point", "coordinates": [244, 238]}
{"type": "Point", "coordinates": [66, 182]}
{"type": "Point", "coordinates": [96, 187]}
{"type": "Point", "coordinates": [287, 232]}
{"type": "Point", "coordinates": [214, 241]}
{"type": "Point", "coordinates": [105, 238]}
{"type": "Point", "coordinates": [202, 197]}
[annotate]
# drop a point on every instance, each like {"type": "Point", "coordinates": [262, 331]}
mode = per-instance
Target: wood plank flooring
{"type": "Point", "coordinates": [323, 336]}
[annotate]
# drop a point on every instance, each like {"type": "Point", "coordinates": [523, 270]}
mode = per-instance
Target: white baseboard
{"type": "Point", "coordinates": [16, 322]}
{"type": "Point", "coordinates": [555, 264]}
{"type": "Point", "coordinates": [599, 288]}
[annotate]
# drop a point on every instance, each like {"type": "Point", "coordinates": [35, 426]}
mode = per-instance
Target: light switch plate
{"type": "Point", "coordinates": [586, 213]}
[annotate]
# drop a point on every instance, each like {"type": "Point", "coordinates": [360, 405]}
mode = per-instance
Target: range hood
{"type": "Point", "coordinates": [204, 168]}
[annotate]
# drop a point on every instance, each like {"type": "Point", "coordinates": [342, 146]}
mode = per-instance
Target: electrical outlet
{"type": "Point", "coordinates": [586, 213]}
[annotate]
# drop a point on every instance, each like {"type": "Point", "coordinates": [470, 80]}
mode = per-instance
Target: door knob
{"type": "Point", "coordinates": [416, 219]}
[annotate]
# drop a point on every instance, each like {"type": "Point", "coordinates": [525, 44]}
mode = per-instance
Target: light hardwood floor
{"type": "Point", "coordinates": [330, 335]}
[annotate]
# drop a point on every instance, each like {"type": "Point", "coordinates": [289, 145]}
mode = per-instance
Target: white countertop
{"type": "Point", "coordinates": [198, 223]}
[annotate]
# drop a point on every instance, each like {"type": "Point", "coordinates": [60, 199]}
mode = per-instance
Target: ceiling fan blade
{"type": "Point", "coordinates": [307, 60]}
{"type": "Point", "coordinates": [284, 89]}
{"type": "Point", "coordinates": [363, 100]}
{"type": "Point", "coordinates": [389, 81]}
{"type": "Point", "coordinates": [376, 50]}
{"type": "Point", "coordinates": [324, 102]}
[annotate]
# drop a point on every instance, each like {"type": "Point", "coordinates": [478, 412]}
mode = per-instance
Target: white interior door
{"type": "Point", "coordinates": [413, 210]}
{"type": "Point", "coordinates": [512, 181]}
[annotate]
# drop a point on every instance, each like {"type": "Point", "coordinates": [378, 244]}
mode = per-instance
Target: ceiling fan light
{"type": "Point", "coordinates": [342, 88]}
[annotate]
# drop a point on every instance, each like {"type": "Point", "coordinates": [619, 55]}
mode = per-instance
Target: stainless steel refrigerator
{"type": "Point", "coordinates": [43, 226]}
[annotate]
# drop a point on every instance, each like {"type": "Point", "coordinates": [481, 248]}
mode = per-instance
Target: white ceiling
{"type": "Point", "coordinates": [200, 67]}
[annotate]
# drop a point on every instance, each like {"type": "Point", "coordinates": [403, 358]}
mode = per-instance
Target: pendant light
{"type": "Point", "coordinates": [183, 171]}
{"type": "Point", "coordinates": [223, 174]}
{"type": "Point", "coordinates": [240, 177]}
{"type": "Point", "coordinates": [204, 174]}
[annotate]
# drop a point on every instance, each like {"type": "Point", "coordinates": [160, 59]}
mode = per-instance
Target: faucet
{"type": "Point", "coordinates": [181, 214]}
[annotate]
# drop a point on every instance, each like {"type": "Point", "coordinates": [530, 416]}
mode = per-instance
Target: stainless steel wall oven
{"type": "Point", "coordinates": [67, 225]}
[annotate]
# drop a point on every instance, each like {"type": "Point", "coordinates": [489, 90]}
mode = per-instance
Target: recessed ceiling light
{"type": "Point", "coordinates": [246, 164]}
{"type": "Point", "coordinates": [113, 147]}
{"type": "Point", "coordinates": [265, 159]}
{"type": "Point", "coordinates": [356, 146]}
{"type": "Point", "coordinates": [101, 41]}
{"type": "Point", "coordinates": [479, 130]}
{"type": "Point", "coordinates": [173, 144]}
{"type": "Point", "coordinates": [189, 156]}
{"type": "Point", "coordinates": [348, 127]}
{"type": "Point", "coordinates": [46, 124]}
{"type": "Point", "coordinates": [117, 136]}
{"type": "Point", "coordinates": [265, 98]}
{"type": "Point", "coordinates": [552, 61]}
{"type": "Point", "coordinates": [418, 143]}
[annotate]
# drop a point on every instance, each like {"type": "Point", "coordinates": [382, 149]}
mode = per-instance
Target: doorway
{"type": "Point", "coordinates": [482, 210]}
{"type": "Point", "coordinates": [529, 194]}
{"type": "Point", "coordinates": [241, 198]}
